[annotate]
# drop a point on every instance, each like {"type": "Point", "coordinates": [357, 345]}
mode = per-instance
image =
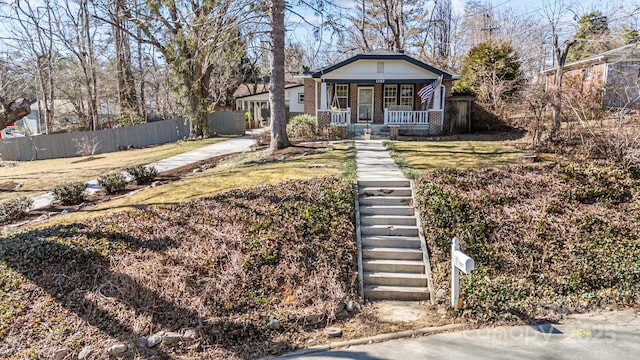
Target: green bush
{"type": "Point", "coordinates": [463, 88]}
{"type": "Point", "coordinates": [302, 126]}
{"type": "Point", "coordinates": [112, 183]}
{"type": "Point", "coordinates": [70, 193]}
{"type": "Point", "coordinates": [143, 174]}
{"type": "Point", "coordinates": [13, 209]}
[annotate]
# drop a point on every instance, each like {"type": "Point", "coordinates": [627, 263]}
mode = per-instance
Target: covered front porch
{"type": "Point", "coordinates": [342, 102]}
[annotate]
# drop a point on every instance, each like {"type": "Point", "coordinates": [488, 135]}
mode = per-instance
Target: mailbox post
{"type": "Point", "coordinates": [459, 262]}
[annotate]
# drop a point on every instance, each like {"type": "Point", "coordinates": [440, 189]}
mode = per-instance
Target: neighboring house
{"type": "Point", "coordinates": [617, 71]}
{"type": "Point", "coordinates": [380, 88]}
{"type": "Point", "coordinates": [254, 98]}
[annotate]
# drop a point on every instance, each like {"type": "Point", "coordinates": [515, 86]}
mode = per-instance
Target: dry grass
{"type": "Point", "coordinates": [429, 155]}
{"type": "Point", "coordinates": [41, 176]}
{"type": "Point", "coordinates": [236, 173]}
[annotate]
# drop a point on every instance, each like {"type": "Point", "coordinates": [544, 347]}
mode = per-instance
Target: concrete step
{"type": "Point", "coordinates": [385, 200]}
{"type": "Point", "coordinates": [384, 191]}
{"type": "Point", "coordinates": [407, 293]}
{"type": "Point", "coordinates": [394, 279]}
{"type": "Point", "coordinates": [387, 220]}
{"type": "Point", "coordinates": [404, 210]}
{"type": "Point", "coordinates": [403, 266]}
{"type": "Point", "coordinates": [391, 253]}
{"type": "Point", "coordinates": [389, 230]}
{"type": "Point", "coordinates": [391, 241]}
{"type": "Point", "coordinates": [383, 183]}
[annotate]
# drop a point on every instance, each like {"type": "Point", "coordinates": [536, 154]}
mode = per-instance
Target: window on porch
{"type": "Point", "coordinates": [390, 96]}
{"type": "Point", "coordinates": [406, 95]}
{"type": "Point", "coordinates": [341, 99]}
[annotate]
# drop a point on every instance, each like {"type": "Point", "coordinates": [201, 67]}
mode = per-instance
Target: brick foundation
{"type": "Point", "coordinates": [394, 131]}
{"type": "Point", "coordinates": [435, 123]}
{"type": "Point", "coordinates": [324, 120]}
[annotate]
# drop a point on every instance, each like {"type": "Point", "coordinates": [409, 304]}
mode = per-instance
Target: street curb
{"type": "Point", "coordinates": [376, 338]}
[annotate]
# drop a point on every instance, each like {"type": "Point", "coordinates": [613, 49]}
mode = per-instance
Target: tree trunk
{"type": "Point", "coordinates": [561, 57]}
{"type": "Point", "coordinates": [126, 85]}
{"type": "Point", "coordinates": [279, 139]}
{"type": "Point", "coordinates": [13, 111]}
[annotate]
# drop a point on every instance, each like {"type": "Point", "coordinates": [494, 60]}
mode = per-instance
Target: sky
{"type": "Point", "coordinates": [519, 7]}
{"type": "Point", "coordinates": [299, 31]}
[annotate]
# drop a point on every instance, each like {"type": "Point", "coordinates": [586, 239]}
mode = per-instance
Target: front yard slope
{"type": "Point", "coordinates": [248, 270]}
{"type": "Point", "coordinates": [547, 240]}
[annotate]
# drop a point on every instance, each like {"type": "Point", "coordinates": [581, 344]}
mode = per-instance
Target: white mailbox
{"type": "Point", "coordinates": [463, 262]}
{"type": "Point", "coordinates": [459, 262]}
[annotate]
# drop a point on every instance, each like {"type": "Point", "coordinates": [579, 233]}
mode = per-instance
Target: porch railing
{"type": "Point", "coordinates": [417, 117]}
{"type": "Point", "coordinates": [341, 116]}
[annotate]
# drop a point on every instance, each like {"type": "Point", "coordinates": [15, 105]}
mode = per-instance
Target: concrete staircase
{"type": "Point", "coordinates": [394, 266]}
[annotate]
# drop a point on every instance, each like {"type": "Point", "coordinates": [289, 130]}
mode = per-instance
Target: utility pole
{"type": "Point", "coordinates": [489, 27]}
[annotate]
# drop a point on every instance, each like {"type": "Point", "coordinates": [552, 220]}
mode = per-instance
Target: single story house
{"type": "Point", "coordinates": [254, 98]}
{"type": "Point", "coordinates": [617, 71]}
{"type": "Point", "coordinates": [378, 88]}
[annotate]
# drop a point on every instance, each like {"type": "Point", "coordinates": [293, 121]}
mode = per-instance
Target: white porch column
{"type": "Point", "coordinates": [323, 96]}
{"type": "Point", "coordinates": [437, 105]}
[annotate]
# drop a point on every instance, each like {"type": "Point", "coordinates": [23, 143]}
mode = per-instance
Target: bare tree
{"type": "Point", "coordinates": [554, 13]}
{"type": "Point", "coordinates": [192, 36]}
{"type": "Point", "coordinates": [387, 24]}
{"type": "Point", "coordinates": [127, 96]}
{"type": "Point", "coordinates": [36, 26]}
{"type": "Point", "coordinates": [75, 30]}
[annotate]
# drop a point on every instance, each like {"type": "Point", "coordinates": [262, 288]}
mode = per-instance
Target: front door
{"type": "Point", "coordinates": [365, 104]}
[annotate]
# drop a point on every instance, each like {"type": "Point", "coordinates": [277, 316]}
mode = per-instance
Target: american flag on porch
{"type": "Point", "coordinates": [427, 91]}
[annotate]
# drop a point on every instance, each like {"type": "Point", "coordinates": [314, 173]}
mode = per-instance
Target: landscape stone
{"type": "Point", "coordinates": [333, 332]}
{"type": "Point", "coordinates": [59, 354]}
{"type": "Point", "coordinates": [155, 339]}
{"type": "Point", "coordinates": [190, 333]}
{"type": "Point", "coordinates": [85, 352]}
{"type": "Point", "coordinates": [117, 349]}
{"type": "Point", "coordinates": [441, 294]}
{"type": "Point", "coordinates": [353, 306]}
{"type": "Point", "coordinates": [171, 338]}
{"type": "Point", "coordinates": [142, 342]}
{"type": "Point", "coordinates": [313, 318]}
{"type": "Point", "coordinates": [344, 314]}
{"type": "Point", "coordinates": [274, 324]}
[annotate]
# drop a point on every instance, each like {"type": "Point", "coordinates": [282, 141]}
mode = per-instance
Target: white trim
{"type": "Point", "coordinates": [372, 102]}
{"type": "Point", "coordinates": [323, 96]}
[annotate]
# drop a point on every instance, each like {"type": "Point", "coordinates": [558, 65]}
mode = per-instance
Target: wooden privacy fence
{"type": "Point", "coordinates": [53, 146]}
{"type": "Point", "coordinates": [227, 122]}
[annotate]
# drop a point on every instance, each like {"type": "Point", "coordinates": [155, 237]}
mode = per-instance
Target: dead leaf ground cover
{"type": "Point", "coordinates": [224, 265]}
{"type": "Point", "coordinates": [547, 239]}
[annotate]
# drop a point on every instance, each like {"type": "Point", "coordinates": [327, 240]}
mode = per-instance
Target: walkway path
{"type": "Point", "coordinates": [239, 144]}
{"type": "Point", "coordinates": [607, 335]}
{"type": "Point", "coordinates": [375, 163]}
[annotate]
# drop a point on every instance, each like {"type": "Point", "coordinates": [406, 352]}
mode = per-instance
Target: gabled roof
{"type": "Point", "coordinates": [379, 55]}
{"type": "Point", "coordinates": [631, 51]}
{"type": "Point", "coordinates": [244, 90]}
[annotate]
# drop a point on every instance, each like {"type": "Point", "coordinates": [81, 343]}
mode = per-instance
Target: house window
{"type": "Point", "coordinates": [301, 98]}
{"type": "Point", "coordinates": [390, 95]}
{"type": "Point", "coordinates": [342, 96]}
{"type": "Point", "coordinates": [406, 95]}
